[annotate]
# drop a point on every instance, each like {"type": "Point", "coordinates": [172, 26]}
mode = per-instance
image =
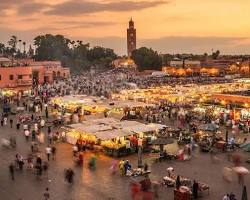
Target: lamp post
{"type": "Point", "coordinates": [140, 165]}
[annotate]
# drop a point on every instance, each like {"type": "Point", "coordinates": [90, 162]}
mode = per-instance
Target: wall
{"type": "Point", "coordinates": [5, 73]}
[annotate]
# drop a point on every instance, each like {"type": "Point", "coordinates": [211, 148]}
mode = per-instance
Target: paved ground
{"type": "Point", "coordinates": [101, 184]}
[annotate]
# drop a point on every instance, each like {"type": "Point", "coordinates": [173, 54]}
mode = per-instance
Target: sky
{"type": "Point", "coordinates": [168, 26]}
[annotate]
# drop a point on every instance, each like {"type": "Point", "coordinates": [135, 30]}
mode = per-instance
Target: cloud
{"type": "Point", "coordinates": [73, 7]}
{"type": "Point", "coordinates": [85, 24]}
{"type": "Point", "coordinates": [31, 7]}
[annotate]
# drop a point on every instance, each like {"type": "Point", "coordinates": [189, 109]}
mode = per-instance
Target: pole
{"type": "Point", "coordinates": [140, 165]}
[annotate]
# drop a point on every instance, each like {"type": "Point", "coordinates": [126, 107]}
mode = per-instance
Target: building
{"type": "Point", "coordinates": [48, 71]}
{"type": "Point", "coordinates": [131, 38]}
{"type": "Point", "coordinates": [18, 78]}
{"type": "Point", "coordinates": [185, 63]}
{"type": "Point", "coordinates": [124, 63]}
{"type": "Point", "coordinates": [19, 75]}
{"type": "Point", "coordinates": [4, 61]}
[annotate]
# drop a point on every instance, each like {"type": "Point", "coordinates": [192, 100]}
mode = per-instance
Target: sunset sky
{"type": "Point", "coordinates": [170, 26]}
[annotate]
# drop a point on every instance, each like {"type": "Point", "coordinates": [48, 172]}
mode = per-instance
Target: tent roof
{"type": "Point", "coordinates": [108, 128]}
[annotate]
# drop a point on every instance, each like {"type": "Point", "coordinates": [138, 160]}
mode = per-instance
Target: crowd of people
{"type": "Point", "coordinates": [42, 136]}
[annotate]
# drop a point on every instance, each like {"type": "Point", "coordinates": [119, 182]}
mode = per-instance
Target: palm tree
{"type": "Point", "coordinates": [20, 43]}
{"type": "Point", "coordinates": [24, 51]}
{"type": "Point", "coordinates": [13, 42]}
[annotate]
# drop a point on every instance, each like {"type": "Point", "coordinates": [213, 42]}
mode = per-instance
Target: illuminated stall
{"type": "Point", "coordinates": [112, 136]}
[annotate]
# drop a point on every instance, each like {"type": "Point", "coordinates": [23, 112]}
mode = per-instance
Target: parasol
{"type": "Point", "coordinates": [241, 170]}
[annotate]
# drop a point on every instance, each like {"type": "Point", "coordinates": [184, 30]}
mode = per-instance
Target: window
{"type": "Point", "coordinates": [20, 76]}
{"type": "Point", "coordinates": [0, 77]}
{"type": "Point", "coordinates": [30, 76]}
{"type": "Point", "coordinates": [11, 77]}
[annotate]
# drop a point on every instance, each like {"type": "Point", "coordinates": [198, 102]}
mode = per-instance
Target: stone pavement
{"type": "Point", "coordinates": [100, 184]}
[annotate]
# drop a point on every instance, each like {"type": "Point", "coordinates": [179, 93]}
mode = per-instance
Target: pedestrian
{"type": "Point", "coordinates": [226, 197]}
{"type": "Point", "coordinates": [47, 113]}
{"type": "Point", "coordinates": [48, 152]}
{"type": "Point", "coordinates": [135, 190]}
{"type": "Point", "coordinates": [5, 120]}
{"type": "Point", "coordinates": [27, 134]}
{"type": "Point", "coordinates": [145, 167]}
{"type": "Point", "coordinates": [11, 171]}
{"type": "Point", "coordinates": [11, 123]}
{"type": "Point", "coordinates": [18, 125]}
{"type": "Point", "coordinates": [53, 151]}
{"type": "Point", "coordinates": [1, 122]}
{"type": "Point", "coordinates": [195, 189]}
{"type": "Point", "coordinates": [39, 160]}
{"type": "Point", "coordinates": [46, 194]}
{"type": "Point", "coordinates": [33, 135]}
{"type": "Point", "coordinates": [178, 182]}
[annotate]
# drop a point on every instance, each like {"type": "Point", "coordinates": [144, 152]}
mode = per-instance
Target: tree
{"type": "Point", "coordinates": [24, 50]}
{"type": "Point", "coordinates": [73, 54]}
{"type": "Point", "coordinates": [147, 59]}
{"type": "Point", "coordinates": [12, 43]}
{"type": "Point", "coordinates": [216, 54]}
{"type": "Point", "coordinates": [2, 48]}
{"type": "Point", "coordinates": [31, 52]}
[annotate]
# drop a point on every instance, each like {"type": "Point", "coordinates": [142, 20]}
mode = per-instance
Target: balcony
{"type": "Point", "coordinates": [24, 82]}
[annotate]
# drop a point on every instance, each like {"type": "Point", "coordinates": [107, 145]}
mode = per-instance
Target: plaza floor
{"type": "Point", "coordinates": [100, 184]}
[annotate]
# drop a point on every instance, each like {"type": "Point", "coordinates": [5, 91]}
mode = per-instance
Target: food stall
{"type": "Point", "coordinates": [110, 135]}
{"type": "Point", "coordinates": [82, 105]}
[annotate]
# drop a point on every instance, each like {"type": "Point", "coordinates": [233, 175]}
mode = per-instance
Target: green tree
{"type": "Point", "coordinates": [147, 59]}
{"type": "Point", "coordinates": [2, 48]}
{"type": "Point", "coordinates": [12, 43]}
{"type": "Point", "coordinates": [216, 54]}
{"type": "Point", "coordinates": [73, 54]}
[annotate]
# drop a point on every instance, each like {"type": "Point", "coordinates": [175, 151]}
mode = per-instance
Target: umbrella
{"type": "Point", "coordinates": [244, 194]}
{"type": "Point", "coordinates": [241, 170]}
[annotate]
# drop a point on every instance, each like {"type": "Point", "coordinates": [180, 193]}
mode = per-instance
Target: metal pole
{"type": "Point", "coordinates": [140, 165]}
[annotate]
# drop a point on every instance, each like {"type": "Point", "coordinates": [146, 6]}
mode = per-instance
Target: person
{"type": "Point", "coordinates": [33, 135]}
{"type": "Point", "coordinates": [48, 152]}
{"type": "Point", "coordinates": [42, 123]}
{"type": "Point", "coordinates": [11, 123]}
{"type": "Point", "coordinates": [11, 171]}
{"type": "Point", "coordinates": [39, 160]}
{"type": "Point", "coordinates": [46, 112]}
{"type": "Point", "coordinates": [70, 175]}
{"type": "Point", "coordinates": [195, 189]}
{"type": "Point", "coordinates": [226, 197]}
{"type": "Point", "coordinates": [18, 125]}
{"type": "Point", "coordinates": [75, 150]}
{"type": "Point", "coordinates": [46, 194]}
{"type": "Point", "coordinates": [178, 182]}
{"type": "Point", "coordinates": [53, 151]}
{"type": "Point", "coordinates": [145, 184]}
{"type": "Point", "coordinates": [80, 159]}
{"type": "Point", "coordinates": [114, 166]}
{"type": "Point", "coordinates": [135, 190]}
{"type": "Point", "coordinates": [27, 134]}
{"type": "Point", "coordinates": [145, 167]}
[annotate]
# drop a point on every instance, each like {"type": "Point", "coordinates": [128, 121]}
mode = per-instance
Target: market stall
{"type": "Point", "coordinates": [112, 136]}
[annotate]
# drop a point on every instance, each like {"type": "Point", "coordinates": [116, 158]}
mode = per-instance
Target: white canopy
{"type": "Point", "coordinates": [109, 128]}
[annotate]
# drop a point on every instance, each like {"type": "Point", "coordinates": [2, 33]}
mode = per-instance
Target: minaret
{"type": "Point", "coordinates": [131, 38]}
